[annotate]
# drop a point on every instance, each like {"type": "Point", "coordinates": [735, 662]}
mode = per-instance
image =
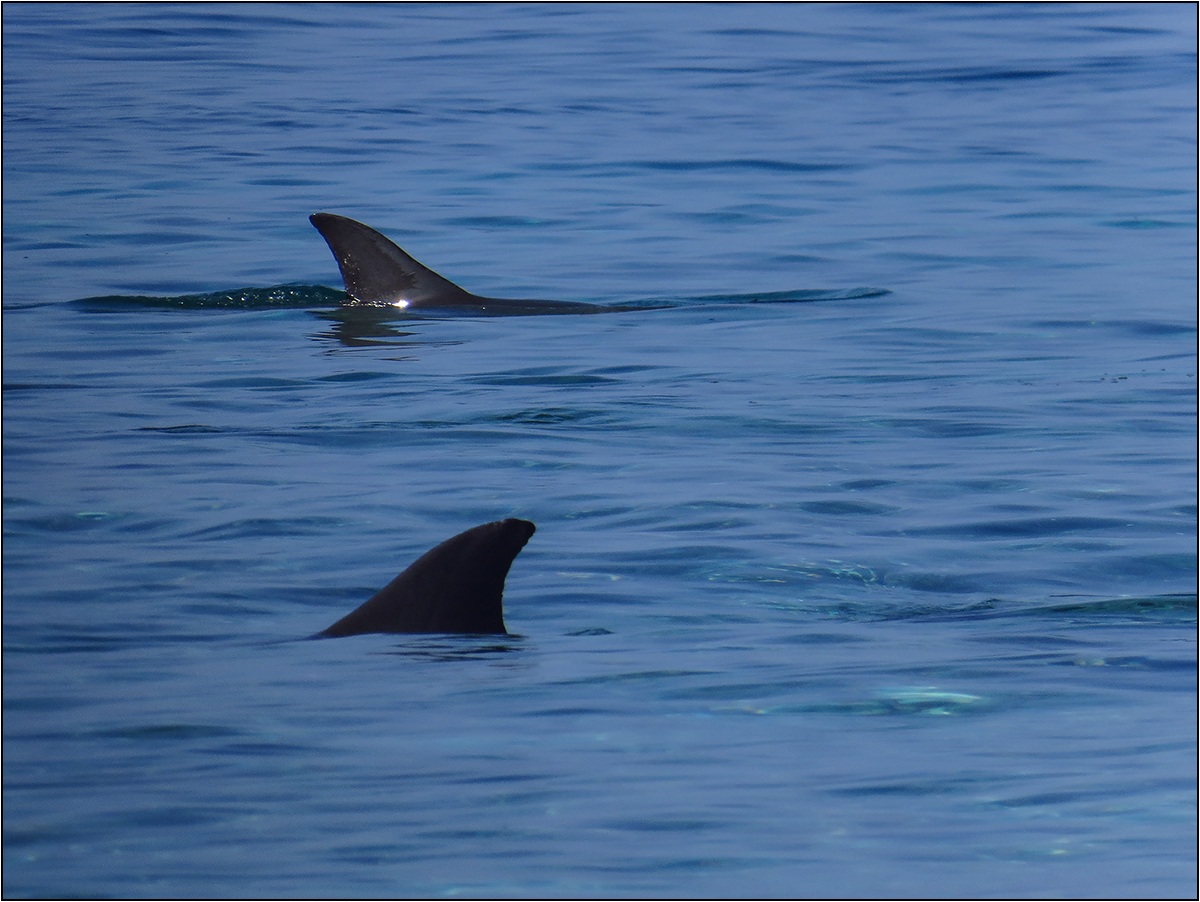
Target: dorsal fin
{"type": "Point", "coordinates": [456, 587]}
{"type": "Point", "coordinates": [376, 271]}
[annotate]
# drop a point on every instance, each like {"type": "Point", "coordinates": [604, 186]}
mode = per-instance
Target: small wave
{"type": "Point", "coordinates": [1172, 607]}
{"type": "Point", "coordinates": [1185, 602]}
{"type": "Point", "coordinates": [796, 296]}
{"type": "Point", "coordinates": [256, 527]}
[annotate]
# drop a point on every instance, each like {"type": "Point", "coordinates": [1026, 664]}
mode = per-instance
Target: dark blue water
{"type": "Point", "coordinates": [890, 594]}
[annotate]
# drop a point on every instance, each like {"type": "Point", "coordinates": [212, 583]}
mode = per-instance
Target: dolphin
{"type": "Point", "coordinates": [456, 587]}
{"type": "Point", "coordinates": [378, 273]}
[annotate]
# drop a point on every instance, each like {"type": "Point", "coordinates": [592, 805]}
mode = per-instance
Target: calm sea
{"type": "Point", "coordinates": [886, 594]}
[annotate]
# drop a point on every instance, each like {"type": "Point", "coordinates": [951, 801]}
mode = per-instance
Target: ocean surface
{"type": "Point", "coordinates": [864, 568]}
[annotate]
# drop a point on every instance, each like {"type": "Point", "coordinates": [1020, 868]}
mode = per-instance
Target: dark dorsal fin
{"type": "Point", "coordinates": [455, 588]}
{"type": "Point", "coordinates": [376, 271]}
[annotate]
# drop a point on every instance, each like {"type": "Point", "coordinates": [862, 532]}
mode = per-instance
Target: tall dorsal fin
{"type": "Point", "coordinates": [456, 587]}
{"type": "Point", "coordinates": [376, 271]}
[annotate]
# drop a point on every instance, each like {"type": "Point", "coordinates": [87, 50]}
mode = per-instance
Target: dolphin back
{"type": "Point", "coordinates": [457, 587]}
{"type": "Point", "coordinates": [376, 271]}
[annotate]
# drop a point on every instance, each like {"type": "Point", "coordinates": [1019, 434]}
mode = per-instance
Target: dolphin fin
{"type": "Point", "coordinates": [376, 271]}
{"type": "Point", "coordinates": [456, 587]}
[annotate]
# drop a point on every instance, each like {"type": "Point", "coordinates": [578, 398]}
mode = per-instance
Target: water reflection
{"type": "Point", "coordinates": [371, 327]}
{"type": "Point", "coordinates": [446, 647]}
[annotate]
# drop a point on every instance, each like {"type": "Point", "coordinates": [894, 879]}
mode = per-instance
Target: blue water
{"type": "Point", "coordinates": [890, 594]}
